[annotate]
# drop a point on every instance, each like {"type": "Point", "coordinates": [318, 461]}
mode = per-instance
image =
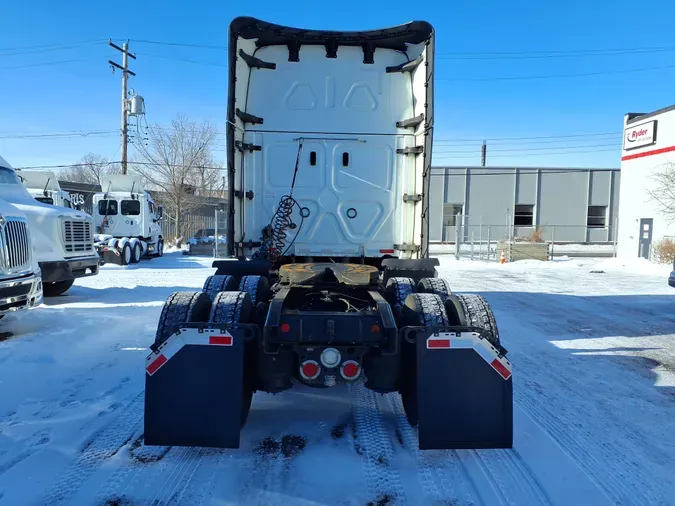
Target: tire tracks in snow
{"type": "Point", "coordinates": [467, 477]}
{"type": "Point", "coordinates": [435, 480]}
{"type": "Point", "coordinates": [101, 446]}
{"type": "Point", "coordinates": [382, 478]}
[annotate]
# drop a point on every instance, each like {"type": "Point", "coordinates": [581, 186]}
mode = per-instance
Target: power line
{"type": "Point", "coordinates": [513, 155]}
{"type": "Point", "coordinates": [537, 137]}
{"type": "Point", "coordinates": [618, 146]}
{"type": "Point", "coordinates": [553, 76]}
{"type": "Point", "coordinates": [551, 54]}
{"type": "Point", "coordinates": [51, 47]}
{"type": "Point", "coordinates": [488, 170]}
{"type": "Point", "coordinates": [162, 57]}
{"type": "Point", "coordinates": [44, 64]}
{"type": "Point", "coordinates": [55, 48]}
{"type": "Point", "coordinates": [180, 44]}
{"type": "Point", "coordinates": [58, 135]}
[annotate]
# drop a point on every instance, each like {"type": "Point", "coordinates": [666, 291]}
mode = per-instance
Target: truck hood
{"type": "Point", "coordinates": [43, 220]}
{"type": "Point", "coordinates": [7, 210]}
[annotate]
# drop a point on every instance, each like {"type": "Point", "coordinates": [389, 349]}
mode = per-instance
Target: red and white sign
{"type": "Point", "coordinates": [639, 136]}
{"type": "Point", "coordinates": [471, 340]}
{"type": "Point", "coordinates": [212, 337]}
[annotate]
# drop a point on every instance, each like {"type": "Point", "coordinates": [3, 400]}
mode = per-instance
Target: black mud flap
{"type": "Point", "coordinates": [465, 392]}
{"type": "Point", "coordinates": [207, 250]}
{"type": "Point", "coordinates": [415, 268]}
{"type": "Point", "coordinates": [110, 256]}
{"type": "Point", "coordinates": [193, 387]}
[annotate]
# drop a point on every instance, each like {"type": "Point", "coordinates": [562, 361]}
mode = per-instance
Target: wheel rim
{"type": "Point", "coordinates": [138, 252]}
{"type": "Point", "coordinates": [127, 255]}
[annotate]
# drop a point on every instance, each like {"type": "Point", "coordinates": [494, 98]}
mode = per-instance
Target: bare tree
{"type": "Point", "coordinates": [89, 169]}
{"type": "Point", "coordinates": [663, 190]}
{"type": "Point", "coordinates": [178, 162]}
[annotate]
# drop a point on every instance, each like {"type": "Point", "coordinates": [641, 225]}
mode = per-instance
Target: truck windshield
{"type": "Point", "coordinates": [131, 207]}
{"type": "Point", "coordinates": [45, 200]}
{"type": "Point", "coordinates": [111, 207]}
{"type": "Point", "coordinates": [8, 176]}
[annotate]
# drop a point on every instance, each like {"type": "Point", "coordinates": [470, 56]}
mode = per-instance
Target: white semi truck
{"type": "Point", "coordinates": [44, 187]}
{"type": "Point", "coordinates": [20, 276]}
{"type": "Point", "coordinates": [329, 140]}
{"type": "Point", "coordinates": [62, 238]}
{"type": "Point", "coordinates": [128, 222]}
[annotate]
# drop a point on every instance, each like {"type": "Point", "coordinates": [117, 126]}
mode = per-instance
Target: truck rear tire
{"type": "Point", "coordinates": [439, 286]}
{"type": "Point", "coordinates": [219, 283]}
{"type": "Point", "coordinates": [256, 286]}
{"type": "Point", "coordinates": [182, 307]}
{"type": "Point", "coordinates": [136, 253]}
{"type": "Point", "coordinates": [236, 307]}
{"type": "Point", "coordinates": [395, 294]}
{"type": "Point", "coordinates": [474, 311]}
{"type": "Point", "coordinates": [423, 310]}
{"type": "Point", "coordinates": [56, 288]}
{"type": "Point", "coordinates": [125, 254]}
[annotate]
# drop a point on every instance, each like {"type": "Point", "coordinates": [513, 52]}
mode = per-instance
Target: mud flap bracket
{"type": "Point", "coordinates": [193, 387]}
{"type": "Point", "coordinates": [464, 391]}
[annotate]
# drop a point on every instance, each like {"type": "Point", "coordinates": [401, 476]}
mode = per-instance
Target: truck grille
{"type": "Point", "coordinates": [77, 236]}
{"type": "Point", "coordinates": [16, 246]}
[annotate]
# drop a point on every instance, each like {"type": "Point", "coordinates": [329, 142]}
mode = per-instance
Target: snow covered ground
{"type": "Point", "coordinates": [593, 351]}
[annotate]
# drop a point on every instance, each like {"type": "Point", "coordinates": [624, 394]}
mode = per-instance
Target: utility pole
{"type": "Point", "coordinates": [125, 75]}
{"type": "Point", "coordinates": [483, 154]}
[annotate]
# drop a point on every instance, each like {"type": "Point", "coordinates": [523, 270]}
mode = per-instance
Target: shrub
{"type": "Point", "coordinates": [537, 235]}
{"type": "Point", "coordinates": [663, 251]}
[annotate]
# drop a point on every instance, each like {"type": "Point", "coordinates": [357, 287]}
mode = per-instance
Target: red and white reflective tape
{"type": "Point", "coordinates": [212, 337]}
{"type": "Point", "coordinates": [471, 340]}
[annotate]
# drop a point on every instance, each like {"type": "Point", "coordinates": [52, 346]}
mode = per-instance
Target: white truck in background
{"type": "Point", "coordinates": [128, 222]}
{"type": "Point", "coordinates": [20, 276]}
{"type": "Point", "coordinates": [44, 187]}
{"type": "Point", "coordinates": [62, 238]}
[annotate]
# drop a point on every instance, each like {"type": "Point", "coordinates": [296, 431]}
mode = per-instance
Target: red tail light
{"type": "Point", "coordinates": [350, 370]}
{"type": "Point", "coordinates": [310, 369]}
{"type": "Point", "coordinates": [285, 327]}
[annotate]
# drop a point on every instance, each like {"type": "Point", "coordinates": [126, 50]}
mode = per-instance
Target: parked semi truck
{"type": "Point", "coordinates": [128, 222]}
{"type": "Point", "coordinates": [44, 187]}
{"type": "Point", "coordinates": [20, 276]}
{"type": "Point", "coordinates": [329, 138]}
{"type": "Point", "coordinates": [62, 238]}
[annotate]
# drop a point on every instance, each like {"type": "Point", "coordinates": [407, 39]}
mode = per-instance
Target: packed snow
{"type": "Point", "coordinates": [591, 343]}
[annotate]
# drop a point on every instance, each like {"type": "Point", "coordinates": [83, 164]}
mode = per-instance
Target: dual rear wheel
{"type": "Point", "coordinates": [224, 307]}
{"type": "Point", "coordinates": [431, 304]}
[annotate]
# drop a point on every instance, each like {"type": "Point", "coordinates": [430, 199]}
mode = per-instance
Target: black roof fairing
{"type": "Point", "coordinates": [270, 34]}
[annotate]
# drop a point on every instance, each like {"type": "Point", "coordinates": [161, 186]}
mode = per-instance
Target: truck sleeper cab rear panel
{"type": "Point", "coordinates": [360, 138]}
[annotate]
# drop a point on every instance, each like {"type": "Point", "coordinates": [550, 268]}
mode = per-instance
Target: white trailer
{"type": "Point", "coordinates": [62, 238]}
{"type": "Point", "coordinates": [128, 222]}
{"type": "Point", "coordinates": [44, 187]}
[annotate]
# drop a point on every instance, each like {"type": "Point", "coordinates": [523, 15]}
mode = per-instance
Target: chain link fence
{"type": "Point", "coordinates": [190, 225]}
{"type": "Point", "coordinates": [469, 238]}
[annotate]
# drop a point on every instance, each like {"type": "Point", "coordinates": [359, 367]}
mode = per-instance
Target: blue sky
{"type": "Point", "coordinates": [43, 92]}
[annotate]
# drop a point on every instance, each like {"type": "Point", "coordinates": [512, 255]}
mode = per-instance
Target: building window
{"type": "Point", "coordinates": [597, 216]}
{"type": "Point", "coordinates": [523, 216]}
{"type": "Point", "coordinates": [450, 212]}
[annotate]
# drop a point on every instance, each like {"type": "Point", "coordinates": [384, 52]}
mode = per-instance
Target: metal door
{"type": "Point", "coordinates": [645, 242]}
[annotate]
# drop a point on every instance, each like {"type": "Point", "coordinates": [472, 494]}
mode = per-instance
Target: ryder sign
{"type": "Point", "coordinates": [638, 136]}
